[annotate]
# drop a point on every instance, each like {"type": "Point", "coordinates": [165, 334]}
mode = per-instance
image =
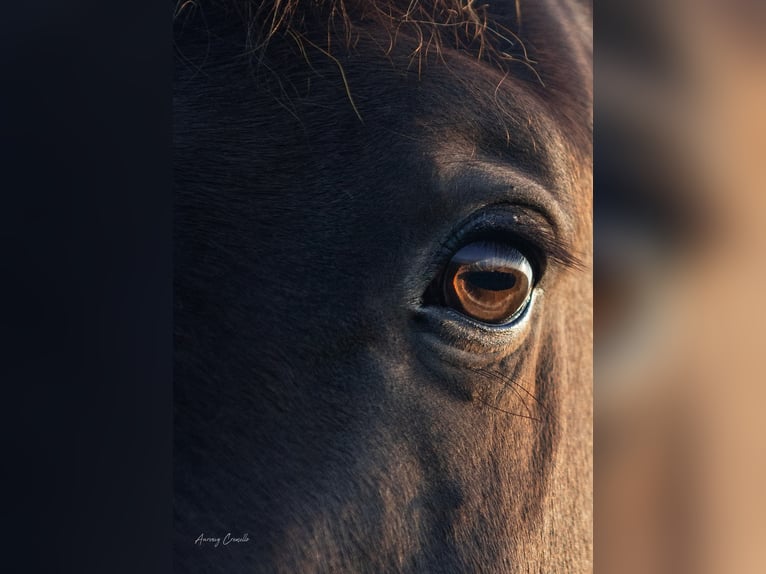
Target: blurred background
{"type": "Point", "coordinates": [680, 231]}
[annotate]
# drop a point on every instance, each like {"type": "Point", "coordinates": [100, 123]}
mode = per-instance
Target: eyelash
{"type": "Point", "coordinates": [507, 224]}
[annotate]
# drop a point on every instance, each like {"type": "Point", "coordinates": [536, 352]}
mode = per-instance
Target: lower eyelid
{"type": "Point", "coordinates": [448, 332]}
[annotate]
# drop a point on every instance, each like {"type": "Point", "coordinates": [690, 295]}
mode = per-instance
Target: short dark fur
{"type": "Point", "coordinates": [316, 182]}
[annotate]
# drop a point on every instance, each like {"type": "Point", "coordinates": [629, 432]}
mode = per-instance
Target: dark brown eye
{"type": "Point", "coordinates": [490, 282]}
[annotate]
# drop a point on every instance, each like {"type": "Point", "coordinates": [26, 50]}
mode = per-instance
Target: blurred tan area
{"type": "Point", "coordinates": [680, 320]}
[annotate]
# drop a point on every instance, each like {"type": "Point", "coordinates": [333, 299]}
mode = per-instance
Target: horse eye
{"type": "Point", "coordinates": [487, 281]}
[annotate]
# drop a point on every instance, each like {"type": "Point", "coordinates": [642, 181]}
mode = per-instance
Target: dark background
{"type": "Point", "coordinates": [86, 319]}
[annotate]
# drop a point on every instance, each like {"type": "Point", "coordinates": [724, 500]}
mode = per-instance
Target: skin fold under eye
{"type": "Point", "coordinates": [487, 281]}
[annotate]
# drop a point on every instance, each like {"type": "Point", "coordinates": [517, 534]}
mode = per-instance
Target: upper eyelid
{"type": "Point", "coordinates": [547, 236]}
{"type": "Point", "coordinates": [516, 223]}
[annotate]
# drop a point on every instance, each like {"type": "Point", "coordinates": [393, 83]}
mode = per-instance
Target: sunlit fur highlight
{"type": "Point", "coordinates": [436, 25]}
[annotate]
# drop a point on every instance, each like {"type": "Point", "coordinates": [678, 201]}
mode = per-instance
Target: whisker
{"type": "Point", "coordinates": [514, 385]}
{"type": "Point", "coordinates": [510, 413]}
{"type": "Point", "coordinates": [491, 375]}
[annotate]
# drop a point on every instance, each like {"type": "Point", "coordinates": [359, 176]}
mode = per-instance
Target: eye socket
{"type": "Point", "coordinates": [487, 281]}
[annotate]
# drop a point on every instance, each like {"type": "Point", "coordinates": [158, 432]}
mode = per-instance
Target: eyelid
{"type": "Point", "coordinates": [452, 334]}
{"type": "Point", "coordinates": [523, 226]}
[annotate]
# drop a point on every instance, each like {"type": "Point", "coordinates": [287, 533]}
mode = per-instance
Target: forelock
{"type": "Point", "coordinates": [435, 25]}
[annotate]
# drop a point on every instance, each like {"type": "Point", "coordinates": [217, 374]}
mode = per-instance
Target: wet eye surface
{"type": "Point", "coordinates": [487, 281]}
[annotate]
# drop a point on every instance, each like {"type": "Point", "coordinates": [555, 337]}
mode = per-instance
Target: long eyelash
{"type": "Point", "coordinates": [534, 239]}
{"type": "Point", "coordinates": [554, 249]}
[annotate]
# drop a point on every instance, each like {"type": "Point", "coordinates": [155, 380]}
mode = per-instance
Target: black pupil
{"type": "Point", "coordinates": [490, 280]}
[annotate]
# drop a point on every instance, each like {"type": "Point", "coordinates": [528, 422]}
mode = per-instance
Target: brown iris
{"type": "Point", "coordinates": [490, 282]}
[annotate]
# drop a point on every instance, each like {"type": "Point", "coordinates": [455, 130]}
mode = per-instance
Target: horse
{"type": "Point", "coordinates": [383, 286]}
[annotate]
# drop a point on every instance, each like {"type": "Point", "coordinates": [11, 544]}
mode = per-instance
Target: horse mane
{"type": "Point", "coordinates": [461, 25]}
